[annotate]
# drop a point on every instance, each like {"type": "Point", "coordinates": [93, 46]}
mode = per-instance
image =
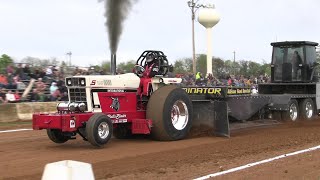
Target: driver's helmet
{"type": "Point", "coordinates": [149, 58]}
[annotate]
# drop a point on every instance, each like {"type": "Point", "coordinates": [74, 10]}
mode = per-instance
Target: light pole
{"type": "Point", "coordinates": [234, 62]}
{"type": "Point", "coordinates": [194, 6]}
{"type": "Point", "coordinates": [318, 53]}
{"type": "Point", "coordinates": [69, 54]}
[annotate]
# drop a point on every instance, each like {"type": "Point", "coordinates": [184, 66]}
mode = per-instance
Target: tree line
{"type": "Point", "coordinates": [220, 67]}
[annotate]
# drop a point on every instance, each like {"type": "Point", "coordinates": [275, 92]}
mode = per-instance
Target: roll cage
{"type": "Point", "coordinates": [159, 58]}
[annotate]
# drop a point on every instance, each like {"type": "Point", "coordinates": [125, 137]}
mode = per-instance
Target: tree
{"type": "Point", "coordinates": [126, 67]}
{"type": "Point", "coordinates": [105, 66]}
{"type": "Point", "coordinates": [229, 67]}
{"type": "Point", "coordinates": [218, 66]}
{"type": "Point", "coordinates": [182, 66]}
{"type": "Point", "coordinates": [188, 64]}
{"type": "Point", "coordinates": [5, 60]}
{"type": "Point", "coordinates": [244, 66]}
{"type": "Point", "coordinates": [265, 69]}
{"type": "Point", "coordinates": [42, 63]}
{"type": "Point", "coordinates": [178, 67]}
{"type": "Point", "coordinates": [202, 64]}
{"type": "Point", "coordinates": [254, 68]}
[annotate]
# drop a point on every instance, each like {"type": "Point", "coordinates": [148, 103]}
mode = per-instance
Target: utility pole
{"type": "Point", "coordinates": [194, 7]}
{"type": "Point", "coordinates": [234, 62]}
{"type": "Point", "coordinates": [69, 54]}
{"type": "Point", "coordinates": [234, 56]}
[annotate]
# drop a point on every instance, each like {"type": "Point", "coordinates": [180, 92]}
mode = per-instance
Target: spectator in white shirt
{"type": "Point", "coordinates": [10, 97]}
{"type": "Point", "coordinates": [49, 71]}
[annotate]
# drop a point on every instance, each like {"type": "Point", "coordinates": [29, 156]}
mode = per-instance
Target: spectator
{"type": "Point", "coordinates": [36, 73]}
{"type": "Point", "coordinates": [200, 81]}
{"type": "Point", "coordinates": [56, 95]}
{"type": "Point", "coordinates": [35, 97]}
{"type": "Point", "coordinates": [63, 89]}
{"type": "Point", "coordinates": [248, 83]}
{"type": "Point", "coordinates": [55, 71]}
{"type": "Point", "coordinates": [42, 73]}
{"type": "Point", "coordinates": [17, 96]}
{"type": "Point", "coordinates": [10, 96]}
{"type": "Point", "coordinates": [41, 86]}
{"type": "Point", "coordinates": [254, 90]}
{"type": "Point", "coordinates": [49, 71]}
{"type": "Point", "coordinates": [60, 82]}
{"type": "Point", "coordinates": [198, 75]}
{"type": "Point", "coordinates": [3, 81]}
{"type": "Point", "coordinates": [43, 97]}
{"type": "Point", "coordinates": [20, 85]}
{"type": "Point", "coordinates": [53, 87]}
{"type": "Point", "coordinates": [210, 76]}
{"type": "Point", "coordinates": [27, 71]}
{"type": "Point", "coordinates": [3, 98]}
{"type": "Point", "coordinates": [61, 71]}
{"type": "Point", "coordinates": [10, 69]}
{"type": "Point", "coordinates": [230, 81]}
{"type": "Point", "coordinates": [76, 71]}
{"type": "Point", "coordinates": [54, 92]}
{"type": "Point", "coordinates": [16, 79]}
{"type": "Point", "coordinates": [64, 96]}
{"type": "Point", "coordinates": [19, 72]}
{"type": "Point", "coordinates": [11, 82]}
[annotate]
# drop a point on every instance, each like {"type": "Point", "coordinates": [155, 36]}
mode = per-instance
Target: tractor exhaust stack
{"type": "Point", "coordinates": [113, 64]}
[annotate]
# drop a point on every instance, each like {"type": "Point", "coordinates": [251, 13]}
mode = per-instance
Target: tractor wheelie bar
{"type": "Point", "coordinates": [147, 102]}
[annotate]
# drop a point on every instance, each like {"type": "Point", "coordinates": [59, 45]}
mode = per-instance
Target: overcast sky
{"type": "Point", "coordinates": [51, 28]}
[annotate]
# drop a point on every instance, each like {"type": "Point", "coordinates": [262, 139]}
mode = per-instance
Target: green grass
{"type": "Point", "coordinates": [15, 123]}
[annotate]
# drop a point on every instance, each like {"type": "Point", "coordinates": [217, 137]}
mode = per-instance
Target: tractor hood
{"type": "Point", "coordinates": [123, 81]}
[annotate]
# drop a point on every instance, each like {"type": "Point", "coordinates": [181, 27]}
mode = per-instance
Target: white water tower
{"type": "Point", "coordinates": [209, 17]}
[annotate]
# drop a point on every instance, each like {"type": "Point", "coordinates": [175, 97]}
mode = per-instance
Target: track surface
{"type": "Point", "coordinates": [24, 155]}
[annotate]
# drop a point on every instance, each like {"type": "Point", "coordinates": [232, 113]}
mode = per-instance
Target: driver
{"type": "Point", "coordinates": [151, 67]}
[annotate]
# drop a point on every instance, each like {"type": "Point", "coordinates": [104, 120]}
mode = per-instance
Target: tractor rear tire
{"type": "Point", "coordinates": [57, 136]}
{"type": "Point", "coordinates": [292, 114]}
{"type": "Point", "coordinates": [99, 129]}
{"type": "Point", "coordinates": [170, 110]}
{"type": "Point", "coordinates": [122, 132]}
{"type": "Point", "coordinates": [307, 109]}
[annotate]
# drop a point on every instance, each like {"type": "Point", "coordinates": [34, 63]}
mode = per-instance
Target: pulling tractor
{"type": "Point", "coordinates": [132, 103]}
{"type": "Point", "coordinates": [121, 105]}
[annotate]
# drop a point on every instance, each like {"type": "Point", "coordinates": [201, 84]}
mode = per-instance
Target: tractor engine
{"type": "Point", "coordinates": [106, 93]}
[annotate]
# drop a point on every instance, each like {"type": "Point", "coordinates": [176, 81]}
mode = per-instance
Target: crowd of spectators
{"type": "Point", "coordinates": [49, 84]}
{"type": "Point", "coordinates": [229, 80]}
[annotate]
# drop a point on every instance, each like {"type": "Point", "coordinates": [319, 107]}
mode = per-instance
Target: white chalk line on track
{"type": "Point", "coordinates": [256, 163]}
{"type": "Point", "coordinates": [15, 130]}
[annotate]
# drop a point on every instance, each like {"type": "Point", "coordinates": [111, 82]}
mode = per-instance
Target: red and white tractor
{"type": "Point", "coordinates": [122, 105]}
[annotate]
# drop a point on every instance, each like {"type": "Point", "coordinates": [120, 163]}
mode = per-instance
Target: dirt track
{"type": "Point", "coordinates": [24, 155]}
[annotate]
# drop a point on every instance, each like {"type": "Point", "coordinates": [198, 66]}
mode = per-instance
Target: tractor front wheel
{"type": "Point", "coordinates": [99, 129]}
{"type": "Point", "coordinates": [170, 109]}
{"type": "Point", "coordinates": [57, 136]}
